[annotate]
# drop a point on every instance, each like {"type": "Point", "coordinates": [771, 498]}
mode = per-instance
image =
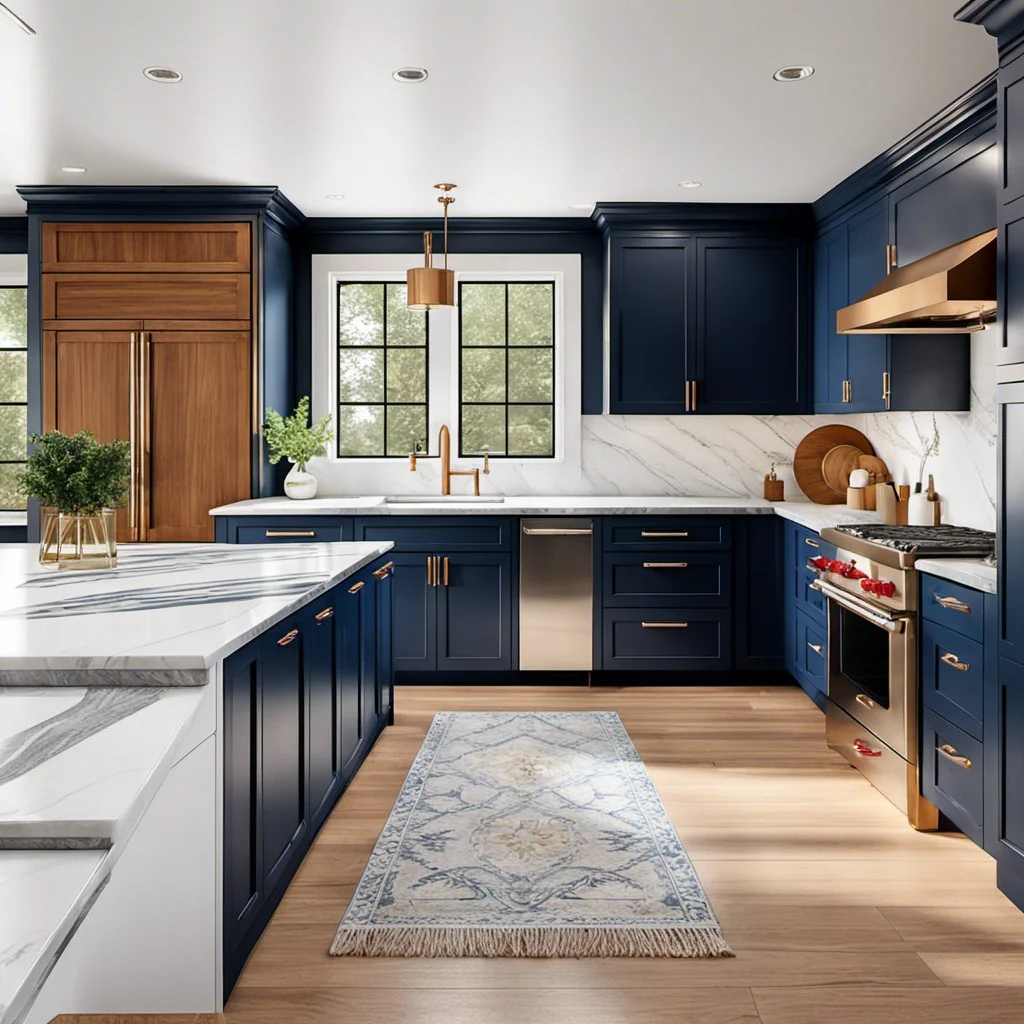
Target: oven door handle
{"type": "Point", "coordinates": [890, 623]}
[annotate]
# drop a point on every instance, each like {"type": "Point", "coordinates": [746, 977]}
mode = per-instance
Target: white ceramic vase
{"type": "Point", "coordinates": [299, 484]}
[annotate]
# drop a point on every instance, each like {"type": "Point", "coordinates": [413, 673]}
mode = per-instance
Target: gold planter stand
{"type": "Point", "coordinates": [72, 541]}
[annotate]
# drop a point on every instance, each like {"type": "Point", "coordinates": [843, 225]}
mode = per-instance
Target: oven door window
{"type": "Point", "coordinates": [864, 656]}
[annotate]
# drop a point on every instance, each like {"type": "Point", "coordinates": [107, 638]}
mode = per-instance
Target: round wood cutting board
{"type": "Point", "coordinates": [810, 453]}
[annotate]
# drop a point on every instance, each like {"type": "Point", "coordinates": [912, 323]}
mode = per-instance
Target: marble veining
{"type": "Point", "coordinates": [971, 572]}
{"type": "Point", "coordinates": [178, 610]}
{"type": "Point", "coordinates": [78, 767]}
{"type": "Point", "coordinates": [44, 897]}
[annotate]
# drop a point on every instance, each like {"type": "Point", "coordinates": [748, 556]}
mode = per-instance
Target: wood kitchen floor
{"type": "Point", "coordinates": [836, 908]}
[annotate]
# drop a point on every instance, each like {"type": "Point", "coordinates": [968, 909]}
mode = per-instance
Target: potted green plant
{"type": "Point", "coordinates": [294, 438]}
{"type": "Point", "coordinates": [79, 482]}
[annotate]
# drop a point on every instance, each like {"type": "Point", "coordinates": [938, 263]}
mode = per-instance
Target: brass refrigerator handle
{"type": "Point", "coordinates": [133, 433]}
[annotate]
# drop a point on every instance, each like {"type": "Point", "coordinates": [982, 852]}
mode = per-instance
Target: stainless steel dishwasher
{"type": "Point", "coordinates": [556, 594]}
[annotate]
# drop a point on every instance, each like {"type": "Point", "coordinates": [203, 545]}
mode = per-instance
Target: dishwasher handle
{"type": "Point", "coordinates": [537, 531]}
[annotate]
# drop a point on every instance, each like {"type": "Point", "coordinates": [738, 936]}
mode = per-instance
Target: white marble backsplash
{"type": "Point", "coordinates": [728, 456]}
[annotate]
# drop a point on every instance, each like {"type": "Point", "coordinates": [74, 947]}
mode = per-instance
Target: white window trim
{"type": "Point", "coordinates": [563, 269]}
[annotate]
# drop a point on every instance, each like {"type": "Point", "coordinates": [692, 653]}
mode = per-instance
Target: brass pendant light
{"type": "Point", "coordinates": [428, 286]}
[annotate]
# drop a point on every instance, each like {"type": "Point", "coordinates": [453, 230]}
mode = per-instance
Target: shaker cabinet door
{"type": "Point", "coordinates": [750, 349]}
{"type": "Point", "coordinates": [323, 709]}
{"type": "Point", "coordinates": [474, 614]}
{"type": "Point", "coordinates": [651, 319]}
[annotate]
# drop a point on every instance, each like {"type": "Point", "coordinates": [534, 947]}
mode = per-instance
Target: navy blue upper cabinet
{"type": "Point", "coordinates": [831, 266]}
{"type": "Point", "coordinates": [954, 200]}
{"type": "Point", "coordinates": [651, 320]}
{"type": "Point", "coordinates": [750, 349]}
{"type": "Point", "coordinates": [707, 307]}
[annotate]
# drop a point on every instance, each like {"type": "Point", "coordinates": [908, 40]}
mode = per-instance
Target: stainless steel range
{"type": "Point", "coordinates": [872, 590]}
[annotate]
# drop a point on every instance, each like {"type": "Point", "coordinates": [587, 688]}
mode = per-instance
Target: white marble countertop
{"type": "Point", "coordinates": [164, 616]}
{"type": "Point", "coordinates": [78, 767]}
{"type": "Point", "coordinates": [43, 896]}
{"type": "Point", "coordinates": [815, 517]}
{"type": "Point", "coordinates": [971, 572]}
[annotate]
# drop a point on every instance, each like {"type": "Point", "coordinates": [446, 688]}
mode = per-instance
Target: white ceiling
{"type": "Point", "coordinates": [531, 105]}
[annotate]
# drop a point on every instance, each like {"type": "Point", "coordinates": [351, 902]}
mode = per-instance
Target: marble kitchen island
{"type": "Point", "coordinates": [126, 756]}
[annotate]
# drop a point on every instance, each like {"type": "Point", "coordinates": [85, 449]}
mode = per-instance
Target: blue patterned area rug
{"type": "Point", "coordinates": [529, 834]}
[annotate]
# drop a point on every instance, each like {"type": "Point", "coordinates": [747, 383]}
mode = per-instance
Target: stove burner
{"type": "Point", "coordinates": [924, 540]}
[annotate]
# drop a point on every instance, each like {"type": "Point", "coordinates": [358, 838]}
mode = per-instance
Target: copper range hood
{"type": "Point", "coordinates": [952, 291]}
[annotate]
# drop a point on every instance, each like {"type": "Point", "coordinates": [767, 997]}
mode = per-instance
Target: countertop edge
{"type": "Point", "coordinates": [970, 572]}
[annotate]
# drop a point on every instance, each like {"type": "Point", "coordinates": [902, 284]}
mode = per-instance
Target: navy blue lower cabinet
{"type": "Point", "coordinates": [368, 699]}
{"type": "Point", "coordinates": [1010, 839]}
{"type": "Point", "coordinates": [474, 613]}
{"type": "Point", "coordinates": [285, 824]}
{"type": "Point", "coordinates": [282, 529]}
{"type": "Point", "coordinates": [355, 721]}
{"type": "Point", "coordinates": [415, 611]}
{"type": "Point", "coordinates": [953, 774]}
{"type": "Point", "coordinates": [759, 571]}
{"type": "Point", "coordinates": [677, 639]}
{"type": "Point", "coordinates": [384, 577]}
{"type": "Point", "coordinates": [667, 578]}
{"type": "Point", "coordinates": [323, 709]}
{"type": "Point", "coordinates": [810, 657]}
{"type": "Point", "coordinates": [244, 894]}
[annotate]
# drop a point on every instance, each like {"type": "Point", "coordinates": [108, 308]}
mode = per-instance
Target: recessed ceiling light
{"type": "Point", "coordinates": [793, 73]}
{"type": "Point", "coordinates": [334, 195]}
{"type": "Point", "coordinates": [162, 74]}
{"type": "Point", "coordinates": [23, 25]}
{"type": "Point", "coordinates": [690, 184]}
{"type": "Point", "coordinates": [73, 170]}
{"type": "Point", "coordinates": [409, 73]}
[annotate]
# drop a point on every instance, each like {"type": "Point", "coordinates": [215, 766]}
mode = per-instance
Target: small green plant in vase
{"type": "Point", "coordinates": [79, 483]}
{"type": "Point", "coordinates": [298, 440]}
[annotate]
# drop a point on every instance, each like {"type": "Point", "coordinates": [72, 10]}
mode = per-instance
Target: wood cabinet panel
{"type": "Point", "coordinates": [118, 246]}
{"type": "Point", "coordinates": [87, 386]}
{"type": "Point", "coordinates": [199, 401]}
{"type": "Point", "coordinates": [151, 296]}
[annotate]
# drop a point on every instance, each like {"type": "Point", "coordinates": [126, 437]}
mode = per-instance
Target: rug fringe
{"type": "Point", "coordinates": [531, 942]}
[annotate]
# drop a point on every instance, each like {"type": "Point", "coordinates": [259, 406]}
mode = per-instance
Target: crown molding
{"type": "Point", "coordinates": [968, 115]}
{"type": "Point", "coordinates": [995, 16]}
{"type": "Point", "coordinates": [677, 217]}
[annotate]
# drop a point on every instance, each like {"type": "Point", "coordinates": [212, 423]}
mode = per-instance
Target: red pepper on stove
{"type": "Point", "coordinates": [821, 563]}
{"type": "Point", "coordinates": [869, 585]}
{"type": "Point", "coordinates": [856, 574]}
{"type": "Point", "coordinates": [840, 568]}
{"type": "Point", "coordinates": [886, 588]}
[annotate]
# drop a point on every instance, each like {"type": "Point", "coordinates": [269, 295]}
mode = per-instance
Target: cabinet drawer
{"type": "Point", "coordinates": [146, 296]}
{"type": "Point", "coordinates": [952, 775]}
{"type": "Point", "coordinates": [665, 578]}
{"type": "Point", "coordinates": [808, 600]}
{"type": "Point", "coordinates": [952, 674]}
{"type": "Point", "coordinates": [452, 533]}
{"type": "Point", "coordinates": [704, 533]}
{"type": "Point", "coordinates": [285, 530]}
{"type": "Point", "coordinates": [656, 639]}
{"type": "Point", "coordinates": [958, 608]}
{"type": "Point", "coordinates": [811, 653]}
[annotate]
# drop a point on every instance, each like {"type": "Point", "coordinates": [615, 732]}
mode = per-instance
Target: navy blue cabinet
{"type": "Point", "coordinates": [303, 704]}
{"type": "Point", "coordinates": [282, 529]}
{"type": "Point", "coordinates": [750, 354]}
{"type": "Point", "coordinates": [282, 751]}
{"type": "Point", "coordinates": [710, 317]}
{"type": "Point", "coordinates": [759, 616]}
{"type": "Point", "coordinates": [652, 319]}
{"type": "Point", "coordinates": [454, 591]}
{"type": "Point", "coordinates": [474, 612]}
{"type": "Point", "coordinates": [1010, 849]}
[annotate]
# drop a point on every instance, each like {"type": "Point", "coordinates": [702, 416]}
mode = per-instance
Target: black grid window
{"type": "Point", "coordinates": [13, 395]}
{"type": "Point", "coordinates": [507, 369]}
{"type": "Point", "coordinates": [382, 371]}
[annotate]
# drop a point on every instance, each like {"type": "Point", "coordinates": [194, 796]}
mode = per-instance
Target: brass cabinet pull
{"type": "Point", "coordinates": [384, 570]}
{"type": "Point", "coordinates": [288, 638]}
{"type": "Point", "coordinates": [817, 648]}
{"type": "Point", "coordinates": [356, 587]}
{"type": "Point", "coordinates": [145, 430]}
{"type": "Point", "coordinates": [290, 533]}
{"type": "Point", "coordinates": [431, 572]}
{"type": "Point", "coordinates": [811, 543]}
{"type": "Point", "coordinates": [666, 565]}
{"type": "Point", "coordinates": [446, 572]}
{"type": "Point", "coordinates": [953, 604]}
{"type": "Point", "coordinates": [950, 753]}
{"type": "Point", "coordinates": [847, 391]}
{"type": "Point", "coordinates": [886, 388]}
{"type": "Point", "coordinates": [325, 614]}
{"type": "Point", "coordinates": [687, 383]}
{"type": "Point", "coordinates": [664, 533]}
{"type": "Point", "coordinates": [665, 625]}
{"type": "Point", "coordinates": [864, 700]}
{"type": "Point", "coordinates": [133, 433]}
{"type": "Point", "coordinates": [692, 402]}
{"type": "Point", "coordinates": [954, 662]}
